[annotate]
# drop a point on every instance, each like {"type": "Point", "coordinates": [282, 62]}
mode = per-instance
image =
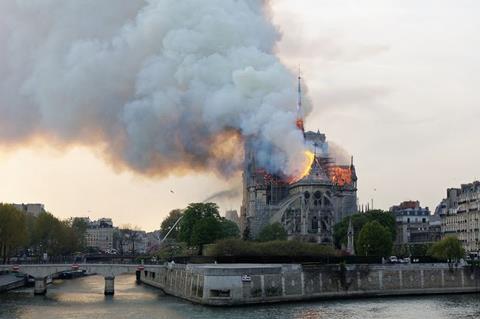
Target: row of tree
{"type": "Point", "coordinates": [23, 233]}
{"type": "Point", "coordinates": [13, 230]}
{"type": "Point", "coordinates": [374, 233]}
{"type": "Point", "coordinates": [200, 224]}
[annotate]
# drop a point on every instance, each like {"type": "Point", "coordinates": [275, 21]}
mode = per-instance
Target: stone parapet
{"type": "Point", "coordinates": [239, 284]}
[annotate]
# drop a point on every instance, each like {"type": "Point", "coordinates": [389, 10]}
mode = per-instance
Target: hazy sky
{"type": "Point", "coordinates": [395, 83]}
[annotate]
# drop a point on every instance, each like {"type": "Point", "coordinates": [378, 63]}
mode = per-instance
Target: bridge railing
{"type": "Point", "coordinates": [84, 259]}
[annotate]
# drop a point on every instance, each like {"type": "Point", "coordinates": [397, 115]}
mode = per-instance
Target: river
{"type": "Point", "coordinates": [83, 298]}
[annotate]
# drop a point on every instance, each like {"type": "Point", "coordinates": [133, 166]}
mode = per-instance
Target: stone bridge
{"type": "Point", "coordinates": [40, 272]}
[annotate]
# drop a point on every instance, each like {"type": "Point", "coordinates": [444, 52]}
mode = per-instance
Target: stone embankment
{"type": "Point", "coordinates": [10, 281]}
{"type": "Point", "coordinates": [240, 284]}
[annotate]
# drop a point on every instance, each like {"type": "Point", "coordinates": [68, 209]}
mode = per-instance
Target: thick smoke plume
{"type": "Point", "coordinates": [160, 85]}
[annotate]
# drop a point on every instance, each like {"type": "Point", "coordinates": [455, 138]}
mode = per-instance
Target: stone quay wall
{"type": "Point", "coordinates": [10, 282]}
{"type": "Point", "coordinates": [239, 284]}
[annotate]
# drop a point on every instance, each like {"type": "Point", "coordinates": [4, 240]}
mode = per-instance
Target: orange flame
{"type": "Point", "coordinates": [299, 124]}
{"type": "Point", "coordinates": [341, 175]}
{"type": "Point", "coordinates": [310, 157]}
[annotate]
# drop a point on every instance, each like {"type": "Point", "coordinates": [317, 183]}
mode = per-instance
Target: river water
{"type": "Point", "coordinates": [83, 298]}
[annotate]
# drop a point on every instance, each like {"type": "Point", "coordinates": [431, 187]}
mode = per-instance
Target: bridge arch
{"type": "Point", "coordinates": [42, 271]}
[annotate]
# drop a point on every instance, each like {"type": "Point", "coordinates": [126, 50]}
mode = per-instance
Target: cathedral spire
{"type": "Point", "coordinates": [299, 121]}
{"type": "Point", "coordinates": [350, 238]}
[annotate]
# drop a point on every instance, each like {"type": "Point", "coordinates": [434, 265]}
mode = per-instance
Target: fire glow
{"type": "Point", "coordinates": [309, 159]}
{"type": "Point", "coordinates": [338, 175]}
{"type": "Point", "coordinates": [341, 175]}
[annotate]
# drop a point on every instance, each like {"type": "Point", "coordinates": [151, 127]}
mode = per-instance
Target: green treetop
{"type": "Point", "coordinates": [374, 240]}
{"type": "Point", "coordinates": [169, 222]}
{"type": "Point", "coordinates": [358, 221]}
{"type": "Point", "coordinates": [13, 230]}
{"type": "Point", "coordinates": [449, 248]}
{"type": "Point", "coordinates": [201, 224]}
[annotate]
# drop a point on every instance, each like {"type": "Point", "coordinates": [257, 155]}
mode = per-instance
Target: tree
{"type": "Point", "coordinates": [132, 235]}
{"type": "Point", "coordinates": [449, 248]}
{"type": "Point", "coordinates": [13, 230]}
{"type": "Point", "coordinates": [118, 240]}
{"type": "Point", "coordinates": [340, 229]}
{"type": "Point", "coordinates": [71, 239]}
{"type": "Point", "coordinates": [358, 221]}
{"type": "Point", "coordinates": [401, 250]}
{"type": "Point", "coordinates": [271, 232]}
{"type": "Point", "coordinates": [386, 219]}
{"type": "Point", "coordinates": [45, 234]}
{"type": "Point", "coordinates": [79, 227]}
{"type": "Point", "coordinates": [374, 240]}
{"type": "Point", "coordinates": [419, 249]}
{"type": "Point", "coordinates": [53, 236]}
{"type": "Point", "coordinates": [201, 224]}
{"type": "Point", "coordinates": [193, 214]}
{"type": "Point", "coordinates": [30, 220]}
{"type": "Point", "coordinates": [168, 223]}
{"type": "Point", "coordinates": [246, 233]}
{"type": "Point", "coordinates": [229, 229]}
{"type": "Point", "coordinates": [206, 231]}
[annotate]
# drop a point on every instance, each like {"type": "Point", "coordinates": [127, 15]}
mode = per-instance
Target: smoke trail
{"type": "Point", "coordinates": [227, 194]}
{"type": "Point", "coordinates": [161, 86]}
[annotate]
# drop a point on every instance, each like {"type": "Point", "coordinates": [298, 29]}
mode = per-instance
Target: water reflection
{"type": "Point", "coordinates": [83, 298]}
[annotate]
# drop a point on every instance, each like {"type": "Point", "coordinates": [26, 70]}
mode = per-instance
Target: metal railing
{"type": "Point", "coordinates": [90, 259]}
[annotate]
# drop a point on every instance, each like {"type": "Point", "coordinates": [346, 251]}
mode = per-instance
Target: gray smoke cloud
{"type": "Point", "coordinates": [160, 85]}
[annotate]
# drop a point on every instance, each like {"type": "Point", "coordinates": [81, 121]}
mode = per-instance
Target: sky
{"type": "Point", "coordinates": [394, 83]}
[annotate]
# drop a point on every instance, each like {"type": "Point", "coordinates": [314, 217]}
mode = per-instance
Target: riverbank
{"type": "Point", "coordinates": [83, 298]}
{"type": "Point", "coordinates": [241, 284]}
{"type": "Point", "coordinates": [9, 281]}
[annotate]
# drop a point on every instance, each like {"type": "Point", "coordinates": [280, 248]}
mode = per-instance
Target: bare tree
{"type": "Point", "coordinates": [131, 235]}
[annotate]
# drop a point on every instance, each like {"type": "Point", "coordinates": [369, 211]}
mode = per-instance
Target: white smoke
{"type": "Point", "coordinates": [339, 154]}
{"type": "Point", "coordinates": [153, 82]}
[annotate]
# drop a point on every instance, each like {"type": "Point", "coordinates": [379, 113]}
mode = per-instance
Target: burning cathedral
{"type": "Point", "coordinates": [308, 207]}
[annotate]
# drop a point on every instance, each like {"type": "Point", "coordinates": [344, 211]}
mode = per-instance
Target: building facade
{"type": "Point", "coordinates": [99, 234]}
{"type": "Point", "coordinates": [307, 208]}
{"type": "Point", "coordinates": [34, 209]}
{"type": "Point", "coordinates": [415, 224]}
{"type": "Point", "coordinates": [460, 215]}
